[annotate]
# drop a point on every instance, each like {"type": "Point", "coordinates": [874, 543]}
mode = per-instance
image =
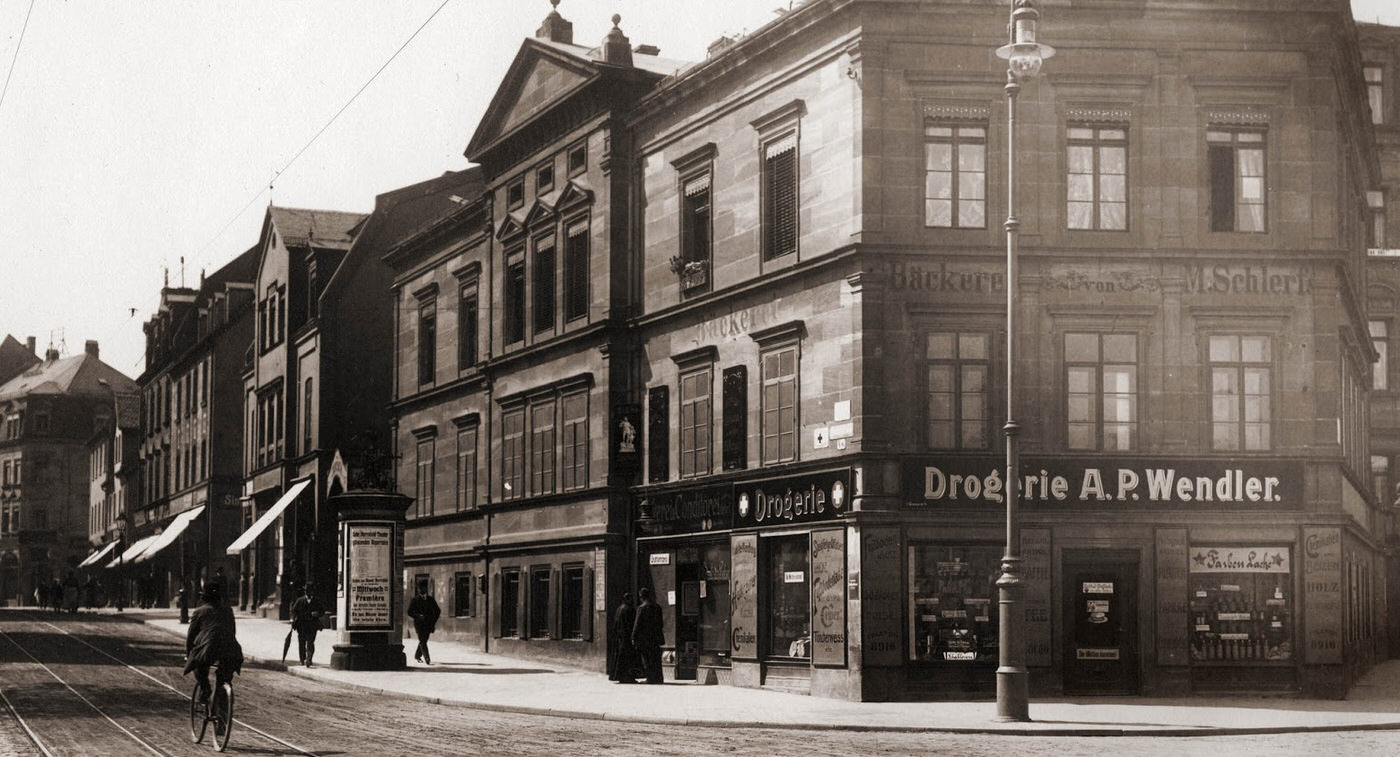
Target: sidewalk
{"type": "Point", "coordinates": [464, 677]}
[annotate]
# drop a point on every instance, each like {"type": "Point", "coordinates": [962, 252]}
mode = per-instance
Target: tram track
{"type": "Point", "coordinates": [173, 721]}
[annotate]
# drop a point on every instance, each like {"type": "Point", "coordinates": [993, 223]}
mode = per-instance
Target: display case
{"type": "Point", "coordinates": [1241, 604]}
{"type": "Point", "coordinates": [953, 608]}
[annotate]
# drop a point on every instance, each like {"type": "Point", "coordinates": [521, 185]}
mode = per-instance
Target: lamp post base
{"type": "Point", "coordinates": [1013, 695]}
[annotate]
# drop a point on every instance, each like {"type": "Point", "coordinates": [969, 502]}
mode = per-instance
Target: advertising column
{"type": "Point", "coordinates": [370, 552]}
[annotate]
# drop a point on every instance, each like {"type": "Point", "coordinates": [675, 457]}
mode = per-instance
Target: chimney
{"type": "Point", "coordinates": [90, 347]}
{"type": "Point", "coordinates": [651, 50]}
{"type": "Point", "coordinates": [555, 28]}
{"type": "Point", "coordinates": [719, 46]}
{"type": "Point", "coordinates": [617, 50]}
{"type": "Point", "coordinates": [32, 345]}
{"type": "Point", "coordinates": [51, 354]}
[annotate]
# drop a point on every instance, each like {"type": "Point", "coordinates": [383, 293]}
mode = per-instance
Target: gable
{"type": "Point", "coordinates": [543, 83]}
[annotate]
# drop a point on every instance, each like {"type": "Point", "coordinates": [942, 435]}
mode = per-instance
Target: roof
{"type": "Point", "coordinates": [332, 229]}
{"type": "Point", "coordinates": [14, 357]}
{"type": "Point", "coordinates": [653, 63]}
{"type": "Point", "coordinates": [74, 375]}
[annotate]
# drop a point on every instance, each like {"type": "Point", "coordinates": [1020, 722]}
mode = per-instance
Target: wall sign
{"type": "Point", "coordinates": [793, 499]}
{"type": "Point", "coordinates": [743, 596]}
{"type": "Point", "coordinates": [1192, 483]}
{"type": "Point", "coordinates": [829, 597]}
{"type": "Point", "coordinates": [1173, 642]}
{"type": "Point", "coordinates": [709, 508]}
{"type": "Point", "coordinates": [882, 611]}
{"type": "Point", "coordinates": [1322, 595]}
{"type": "Point", "coordinates": [1239, 560]}
{"type": "Point", "coordinates": [1035, 578]}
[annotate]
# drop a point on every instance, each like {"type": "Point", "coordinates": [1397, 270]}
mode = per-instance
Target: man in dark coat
{"type": "Point", "coordinates": [425, 611]}
{"type": "Point", "coordinates": [306, 621]}
{"type": "Point", "coordinates": [622, 664]}
{"type": "Point", "coordinates": [212, 639]}
{"type": "Point", "coordinates": [647, 636]}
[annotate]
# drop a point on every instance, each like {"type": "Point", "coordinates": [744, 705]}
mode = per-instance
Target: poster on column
{"type": "Point", "coordinates": [370, 581]}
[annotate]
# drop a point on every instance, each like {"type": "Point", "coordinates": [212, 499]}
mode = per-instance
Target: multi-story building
{"type": "Point", "coordinates": [49, 412]}
{"type": "Point", "coordinates": [191, 421]}
{"type": "Point", "coordinates": [114, 453]}
{"type": "Point", "coordinates": [796, 308]}
{"type": "Point", "coordinates": [514, 366]}
{"type": "Point", "coordinates": [15, 357]}
{"type": "Point", "coordinates": [317, 385]}
{"type": "Point", "coordinates": [1380, 60]}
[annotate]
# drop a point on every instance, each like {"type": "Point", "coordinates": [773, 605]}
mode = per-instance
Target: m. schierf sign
{"type": "Point", "coordinates": [1108, 482]}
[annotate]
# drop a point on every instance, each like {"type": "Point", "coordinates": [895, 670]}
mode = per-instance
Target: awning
{"type": "Point", "coordinates": [129, 556]}
{"type": "Point", "coordinates": [98, 555]}
{"type": "Point", "coordinates": [171, 533]}
{"type": "Point", "coordinates": [273, 513]}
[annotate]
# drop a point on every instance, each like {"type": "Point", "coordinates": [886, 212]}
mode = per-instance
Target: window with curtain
{"type": "Point", "coordinates": [1101, 381]}
{"type": "Point", "coordinates": [542, 447]}
{"type": "Point", "coordinates": [958, 385]}
{"type": "Point", "coordinates": [955, 175]}
{"type": "Point", "coordinates": [1097, 185]}
{"type": "Point", "coordinates": [779, 405]}
{"type": "Point", "coordinates": [1241, 369]}
{"type": "Point", "coordinates": [574, 444]}
{"type": "Point", "coordinates": [1238, 191]}
{"type": "Point", "coordinates": [696, 417]}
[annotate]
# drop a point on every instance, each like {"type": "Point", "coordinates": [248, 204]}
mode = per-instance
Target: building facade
{"type": "Point", "coordinates": [50, 412]}
{"type": "Point", "coordinates": [788, 366]}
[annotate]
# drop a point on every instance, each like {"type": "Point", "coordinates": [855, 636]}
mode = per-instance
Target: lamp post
{"type": "Point", "coordinates": [1023, 56]}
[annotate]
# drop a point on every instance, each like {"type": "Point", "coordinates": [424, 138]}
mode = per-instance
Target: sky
{"type": "Point", "coordinates": [136, 133]}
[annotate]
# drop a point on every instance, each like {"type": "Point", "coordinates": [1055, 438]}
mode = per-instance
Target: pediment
{"type": "Point", "coordinates": [512, 226]}
{"type": "Point", "coordinates": [575, 192]}
{"type": "Point", "coordinates": [537, 213]}
{"type": "Point", "coordinates": [540, 76]}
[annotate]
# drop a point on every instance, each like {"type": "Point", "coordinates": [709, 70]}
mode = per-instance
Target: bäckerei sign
{"type": "Point", "coordinates": [1212, 483]}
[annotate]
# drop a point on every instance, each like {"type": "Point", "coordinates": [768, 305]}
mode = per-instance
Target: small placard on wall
{"type": "Point", "coordinates": [660, 558]}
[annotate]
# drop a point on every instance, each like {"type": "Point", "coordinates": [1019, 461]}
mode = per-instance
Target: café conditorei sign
{"type": "Point", "coordinates": [1212, 483]}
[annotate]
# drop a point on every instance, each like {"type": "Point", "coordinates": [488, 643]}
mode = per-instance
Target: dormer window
{"type": "Point", "coordinates": [515, 194]}
{"type": "Point", "coordinates": [578, 158]}
{"type": "Point", "coordinates": [544, 177]}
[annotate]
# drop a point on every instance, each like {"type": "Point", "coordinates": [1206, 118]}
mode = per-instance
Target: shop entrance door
{"type": "Point", "coordinates": [687, 616]}
{"type": "Point", "coordinates": [1101, 639]}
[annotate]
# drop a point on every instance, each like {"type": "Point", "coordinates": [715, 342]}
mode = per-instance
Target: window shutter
{"type": "Point", "coordinates": [554, 603]}
{"type": "Point", "coordinates": [585, 621]}
{"type": "Point", "coordinates": [1222, 188]}
{"type": "Point", "coordinates": [734, 424]}
{"type": "Point", "coordinates": [522, 606]}
{"type": "Point", "coordinates": [496, 604]}
{"type": "Point", "coordinates": [658, 434]}
{"type": "Point", "coordinates": [780, 198]}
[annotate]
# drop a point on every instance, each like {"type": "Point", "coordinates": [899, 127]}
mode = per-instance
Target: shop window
{"type": "Point", "coordinates": [1101, 381]}
{"type": "Point", "coordinates": [955, 176]}
{"type": "Point", "coordinates": [510, 602]}
{"type": "Point", "coordinates": [1237, 182]}
{"type": "Point", "coordinates": [695, 423]}
{"type": "Point", "coordinates": [714, 600]}
{"type": "Point", "coordinates": [1096, 187]}
{"type": "Point", "coordinates": [789, 597]}
{"type": "Point", "coordinates": [572, 602]}
{"type": "Point", "coordinates": [1241, 603]}
{"type": "Point", "coordinates": [1241, 392]}
{"type": "Point", "coordinates": [463, 595]}
{"type": "Point", "coordinates": [959, 391]}
{"type": "Point", "coordinates": [539, 602]}
{"type": "Point", "coordinates": [953, 605]}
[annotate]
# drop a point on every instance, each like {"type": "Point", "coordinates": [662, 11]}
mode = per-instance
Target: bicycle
{"type": "Point", "coordinates": [217, 710]}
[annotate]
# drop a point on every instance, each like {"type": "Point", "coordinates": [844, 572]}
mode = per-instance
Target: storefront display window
{"type": "Point", "coordinates": [953, 603]}
{"type": "Point", "coordinates": [790, 597]}
{"type": "Point", "coordinates": [1241, 603]}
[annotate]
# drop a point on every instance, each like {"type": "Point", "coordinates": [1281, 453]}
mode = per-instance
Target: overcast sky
{"type": "Point", "coordinates": [134, 132]}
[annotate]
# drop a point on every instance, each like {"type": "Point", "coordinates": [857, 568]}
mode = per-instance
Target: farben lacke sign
{"type": "Point", "coordinates": [1212, 483]}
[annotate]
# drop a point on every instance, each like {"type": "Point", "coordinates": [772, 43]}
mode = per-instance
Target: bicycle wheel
{"type": "Point", "coordinates": [223, 717]}
{"type": "Point", "coordinates": [198, 716]}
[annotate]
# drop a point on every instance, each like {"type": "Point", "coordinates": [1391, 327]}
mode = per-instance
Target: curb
{"type": "Point", "coordinates": [1103, 732]}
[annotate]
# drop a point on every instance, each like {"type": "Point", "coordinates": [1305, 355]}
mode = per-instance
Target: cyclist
{"type": "Point", "coordinates": [212, 639]}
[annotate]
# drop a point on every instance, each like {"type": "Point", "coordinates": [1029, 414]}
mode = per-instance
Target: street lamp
{"type": "Point", "coordinates": [1023, 56]}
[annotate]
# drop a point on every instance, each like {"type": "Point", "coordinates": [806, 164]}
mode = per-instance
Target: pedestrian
{"type": "Point", "coordinates": [41, 594]}
{"type": "Point", "coordinates": [647, 636]}
{"type": "Point", "coordinates": [182, 601]}
{"type": "Point", "coordinates": [622, 662]}
{"type": "Point", "coordinates": [306, 621]}
{"type": "Point", "coordinates": [425, 611]}
{"type": "Point", "coordinates": [55, 595]}
{"type": "Point", "coordinates": [222, 583]}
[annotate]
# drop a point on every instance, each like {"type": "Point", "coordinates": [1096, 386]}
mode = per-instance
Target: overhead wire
{"type": "Point", "coordinates": [259, 193]}
{"type": "Point", "coordinates": [15, 58]}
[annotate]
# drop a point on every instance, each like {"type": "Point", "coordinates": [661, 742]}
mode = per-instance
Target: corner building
{"type": "Point", "coordinates": [818, 314]}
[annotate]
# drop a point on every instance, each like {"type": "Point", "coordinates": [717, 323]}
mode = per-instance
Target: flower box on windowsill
{"type": "Point", "coordinates": [691, 273]}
